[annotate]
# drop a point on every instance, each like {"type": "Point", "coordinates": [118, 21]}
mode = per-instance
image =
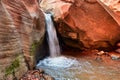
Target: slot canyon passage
{"type": "Point", "coordinates": [59, 40]}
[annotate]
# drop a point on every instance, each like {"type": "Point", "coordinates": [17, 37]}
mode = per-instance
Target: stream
{"type": "Point", "coordinates": [77, 68]}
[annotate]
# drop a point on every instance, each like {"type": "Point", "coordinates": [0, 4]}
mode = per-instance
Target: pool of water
{"type": "Point", "coordinates": [75, 68]}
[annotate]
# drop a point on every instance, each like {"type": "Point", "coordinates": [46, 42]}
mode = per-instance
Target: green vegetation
{"type": "Point", "coordinates": [34, 46]}
{"type": "Point", "coordinates": [11, 69]}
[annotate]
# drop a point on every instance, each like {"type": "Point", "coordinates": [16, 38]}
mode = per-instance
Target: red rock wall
{"type": "Point", "coordinates": [21, 24]}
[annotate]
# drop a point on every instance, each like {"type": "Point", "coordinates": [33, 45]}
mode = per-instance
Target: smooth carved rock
{"type": "Point", "coordinates": [21, 24]}
{"type": "Point", "coordinates": [91, 23]}
{"type": "Point", "coordinates": [112, 7]}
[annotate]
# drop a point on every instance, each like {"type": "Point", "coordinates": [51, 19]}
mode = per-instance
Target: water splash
{"type": "Point", "coordinates": [58, 62]}
{"type": "Point", "coordinates": [52, 37]}
{"type": "Point", "coordinates": [70, 68]}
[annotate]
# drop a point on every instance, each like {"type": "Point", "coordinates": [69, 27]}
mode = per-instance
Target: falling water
{"type": "Point", "coordinates": [52, 37]}
{"type": "Point", "coordinates": [54, 60]}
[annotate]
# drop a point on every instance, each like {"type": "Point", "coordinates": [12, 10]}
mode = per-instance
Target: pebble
{"type": "Point", "coordinates": [98, 59]}
{"type": "Point", "coordinates": [115, 57]}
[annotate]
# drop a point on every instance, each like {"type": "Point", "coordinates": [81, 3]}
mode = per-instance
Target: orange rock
{"type": "Point", "coordinates": [94, 26]}
{"type": "Point", "coordinates": [112, 7]}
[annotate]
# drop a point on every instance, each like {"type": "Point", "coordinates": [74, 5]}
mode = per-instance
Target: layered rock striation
{"type": "Point", "coordinates": [22, 28]}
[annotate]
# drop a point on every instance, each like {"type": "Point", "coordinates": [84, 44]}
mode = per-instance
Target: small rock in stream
{"type": "Point", "coordinates": [98, 58]}
{"type": "Point", "coordinates": [115, 57]}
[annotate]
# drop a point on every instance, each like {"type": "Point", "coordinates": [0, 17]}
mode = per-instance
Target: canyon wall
{"type": "Point", "coordinates": [22, 28]}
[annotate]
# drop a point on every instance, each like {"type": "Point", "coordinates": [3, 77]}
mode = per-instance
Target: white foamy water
{"type": "Point", "coordinates": [58, 62]}
{"type": "Point", "coordinates": [71, 68]}
{"type": "Point", "coordinates": [52, 37]}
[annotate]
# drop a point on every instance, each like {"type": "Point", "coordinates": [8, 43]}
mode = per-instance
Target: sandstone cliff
{"type": "Point", "coordinates": [22, 27]}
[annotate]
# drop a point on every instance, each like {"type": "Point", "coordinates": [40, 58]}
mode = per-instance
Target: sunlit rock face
{"type": "Point", "coordinates": [59, 8]}
{"type": "Point", "coordinates": [21, 27]}
{"type": "Point", "coordinates": [83, 23]}
{"type": "Point", "coordinates": [112, 7]}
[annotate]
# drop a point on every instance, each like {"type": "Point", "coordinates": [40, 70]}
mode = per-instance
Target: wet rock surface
{"type": "Point", "coordinates": [115, 57]}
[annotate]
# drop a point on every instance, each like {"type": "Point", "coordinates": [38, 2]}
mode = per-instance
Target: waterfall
{"type": "Point", "coordinates": [52, 37]}
{"type": "Point", "coordinates": [54, 61]}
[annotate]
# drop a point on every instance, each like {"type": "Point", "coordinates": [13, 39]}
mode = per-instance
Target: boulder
{"type": "Point", "coordinates": [83, 23]}
{"type": "Point", "coordinates": [22, 28]}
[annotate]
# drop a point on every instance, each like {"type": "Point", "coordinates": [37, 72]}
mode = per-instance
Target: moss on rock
{"type": "Point", "coordinates": [13, 66]}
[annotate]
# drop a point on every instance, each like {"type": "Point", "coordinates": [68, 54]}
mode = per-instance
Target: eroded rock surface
{"type": "Point", "coordinates": [83, 23]}
{"type": "Point", "coordinates": [22, 27]}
